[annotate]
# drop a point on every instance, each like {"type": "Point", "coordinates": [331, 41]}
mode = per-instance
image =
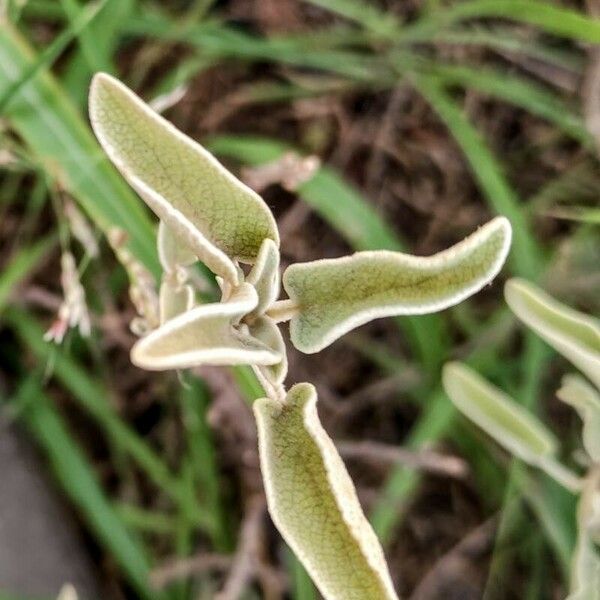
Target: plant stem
{"type": "Point", "coordinates": [283, 310]}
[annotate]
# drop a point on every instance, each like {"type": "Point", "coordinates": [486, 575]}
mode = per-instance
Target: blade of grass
{"type": "Point", "coordinates": [527, 256]}
{"type": "Point", "coordinates": [76, 477]}
{"type": "Point", "coordinates": [50, 54]}
{"type": "Point", "coordinates": [93, 398]}
{"type": "Point", "coordinates": [519, 91]}
{"type": "Point", "coordinates": [49, 123]}
{"type": "Point", "coordinates": [21, 265]}
{"type": "Point", "coordinates": [552, 19]}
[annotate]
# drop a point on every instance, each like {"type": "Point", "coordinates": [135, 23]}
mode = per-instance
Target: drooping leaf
{"type": "Point", "coordinates": [577, 392]}
{"type": "Point", "coordinates": [333, 296]}
{"type": "Point", "coordinates": [575, 335]}
{"type": "Point", "coordinates": [313, 503]}
{"type": "Point", "coordinates": [215, 215]}
{"type": "Point", "coordinates": [171, 252]}
{"type": "Point", "coordinates": [266, 330]}
{"type": "Point", "coordinates": [205, 335]}
{"type": "Point", "coordinates": [265, 277]}
{"type": "Point", "coordinates": [497, 414]}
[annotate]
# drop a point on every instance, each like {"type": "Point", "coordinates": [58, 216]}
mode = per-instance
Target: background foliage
{"type": "Point", "coordinates": [428, 118]}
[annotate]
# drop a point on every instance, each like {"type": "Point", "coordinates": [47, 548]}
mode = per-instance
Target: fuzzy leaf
{"type": "Point", "coordinates": [264, 276]}
{"type": "Point", "coordinates": [174, 300]}
{"type": "Point", "coordinates": [575, 335]}
{"type": "Point", "coordinates": [577, 392]}
{"type": "Point", "coordinates": [498, 414]}
{"type": "Point", "coordinates": [265, 330]}
{"type": "Point", "coordinates": [171, 252]}
{"type": "Point", "coordinates": [336, 295]}
{"type": "Point", "coordinates": [585, 570]}
{"type": "Point", "coordinates": [313, 503]}
{"type": "Point", "coordinates": [214, 214]}
{"type": "Point", "coordinates": [205, 335]}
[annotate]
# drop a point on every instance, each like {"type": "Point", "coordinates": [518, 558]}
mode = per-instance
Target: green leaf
{"type": "Point", "coordinates": [174, 299]}
{"type": "Point", "coordinates": [313, 503]}
{"type": "Point", "coordinates": [497, 414]}
{"type": "Point", "coordinates": [585, 571]}
{"type": "Point", "coordinates": [213, 213]}
{"type": "Point", "coordinates": [264, 276]}
{"type": "Point", "coordinates": [575, 335]}
{"type": "Point", "coordinates": [578, 393]}
{"type": "Point", "coordinates": [171, 252]}
{"type": "Point", "coordinates": [334, 296]}
{"type": "Point", "coordinates": [205, 335]}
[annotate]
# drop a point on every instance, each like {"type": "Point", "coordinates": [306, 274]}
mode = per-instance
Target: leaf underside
{"type": "Point", "coordinates": [336, 295]}
{"type": "Point", "coordinates": [313, 502]}
{"type": "Point", "coordinates": [497, 414]}
{"type": "Point", "coordinates": [575, 335]}
{"type": "Point", "coordinates": [219, 217]}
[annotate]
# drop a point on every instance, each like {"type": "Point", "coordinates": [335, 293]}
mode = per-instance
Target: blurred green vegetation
{"type": "Point", "coordinates": [48, 52]}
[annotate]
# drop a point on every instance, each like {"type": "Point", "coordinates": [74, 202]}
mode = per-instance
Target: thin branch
{"type": "Point", "coordinates": [425, 460]}
{"type": "Point", "coordinates": [181, 568]}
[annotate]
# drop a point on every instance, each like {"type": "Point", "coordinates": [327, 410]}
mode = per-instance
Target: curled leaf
{"type": "Point", "coordinates": [334, 296]}
{"type": "Point", "coordinates": [498, 414]}
{"type": "Point", "coordinates": [575, 335]}
{"type": "Point", "coordinates": [205, 335]}
{"type": "Point", "coordinates": [577, 392]}
{"type": "Point", "coordinates": [216, 215]}
{"type": "Point", "coordinates": [264, 276]}
{"type": "Point", "coordinates": [313, 503]}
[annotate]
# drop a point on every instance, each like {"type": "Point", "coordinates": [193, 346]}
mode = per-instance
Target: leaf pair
{"type": "Point", "coordinates": [206, 213]}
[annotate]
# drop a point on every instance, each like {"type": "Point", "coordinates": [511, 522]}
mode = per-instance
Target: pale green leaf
{"type": "Point", "coordinates": [577, 392]}
{"type": "Point", "coordinates": [333, 296]}
{"type": "Point", "coordinates": [575, 335]}
{"type": "Point", "coordinates": [206, 334]}
{"type": "Point", "coordinates": [498, 414]}
{"type": "Point", "coordinates": [171, 252]}
{"type": "Point", "coordinates": [265, 277]}
{"type": "Point", "coordinates": [219, 218]}
{"type": "Point", "coordinates": [174, 299]}
{"type": "Point", "coordinates": [313, 503]}
{"type": "Point", "coordinates": [585, 568]}
{"type": "Point", "coordinates": [265, 330]}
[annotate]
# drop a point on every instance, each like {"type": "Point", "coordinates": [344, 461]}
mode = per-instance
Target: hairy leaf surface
{"type": "Point", "coordinates": [313, 502]}
{"type": "Point", "coordinates": [205, 335]}
{"type": "Point", "coordinates": [215, 214]}
{"type": "Point", "coordinates": [171, 252]}
{"type": "Point", "coordinates": [574, 334]}
{"type": "Point", "coordinates": [336, 295]}
{"type": "Point", "coordinates": [498, 414]}
{"type": "Point", "coordinates": [174, 300]}
{"type": "Point", "coordinates": [266, 330]}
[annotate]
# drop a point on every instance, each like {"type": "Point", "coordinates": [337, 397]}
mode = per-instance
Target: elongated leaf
{"type": "Point", "coordinates": [497, 414]}
{"type": "Point", "coordinates": [265, 277]}
{"type": "Point", "coordinates": [585, 572]}
{"type": "Point", "coordinates": [312, 500]}
{"type": "Point", "coordinates": [205, 335]}
{"type": "Point", "coordinates": [334, 296]}
{"type": "Point", "coordinates": [575, 335]}
{"type": "Point", "coordinates": [577, 392]}
{"type": "Point", "coordinates": [216, 215]}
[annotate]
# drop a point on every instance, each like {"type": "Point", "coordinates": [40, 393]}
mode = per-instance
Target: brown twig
{"type": "Point", "coordinates": [425, 460]}
{"type": "Point", "coordinates": [181, 568]}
